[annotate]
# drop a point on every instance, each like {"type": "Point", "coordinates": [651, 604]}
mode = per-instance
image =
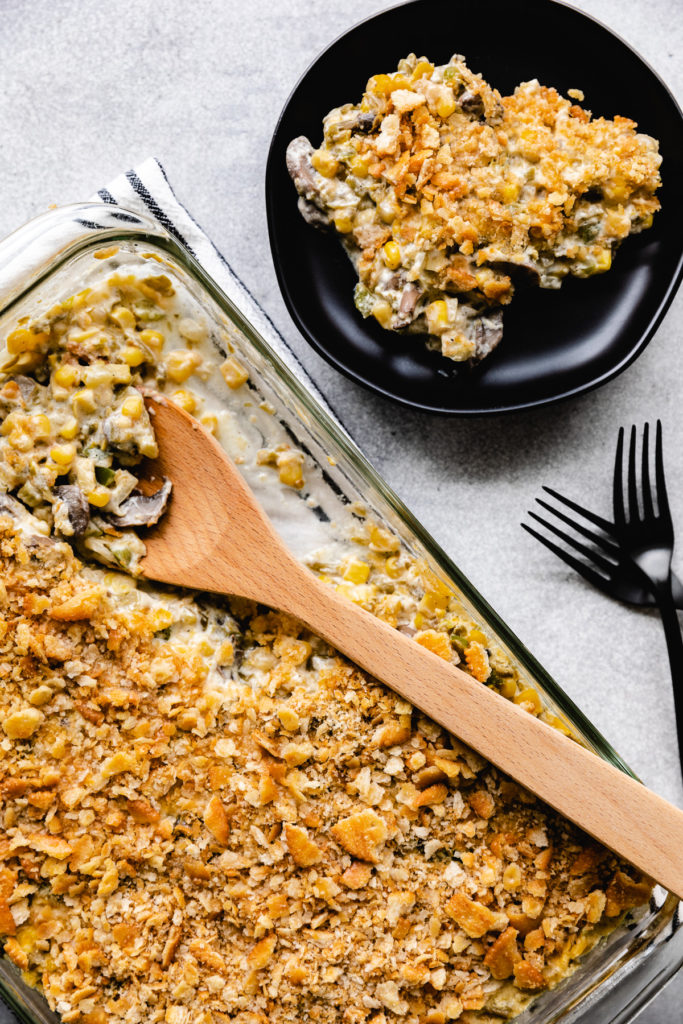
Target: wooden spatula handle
{"type": "Point", "coordinates": [613, 807]}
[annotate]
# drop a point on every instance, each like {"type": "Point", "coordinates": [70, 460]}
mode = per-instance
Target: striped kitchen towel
{"type": "Point", "coordinates": [147, 191]}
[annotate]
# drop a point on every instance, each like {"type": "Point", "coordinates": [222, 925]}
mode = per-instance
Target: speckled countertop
{"type": "Point", "coordinates": [91, 89]}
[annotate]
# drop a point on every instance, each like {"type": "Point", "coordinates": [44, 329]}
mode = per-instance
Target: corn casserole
{"type": "Point", "coordinates": [208, 814]}
{"type": "Point", "coordinates": [444, 194]}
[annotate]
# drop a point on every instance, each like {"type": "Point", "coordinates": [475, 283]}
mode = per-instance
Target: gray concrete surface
{"type": "Point", "coordinates": [89, 89]}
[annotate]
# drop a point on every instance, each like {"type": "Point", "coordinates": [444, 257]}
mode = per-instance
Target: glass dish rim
{"type": "Point", "coordinates": [654, 939]}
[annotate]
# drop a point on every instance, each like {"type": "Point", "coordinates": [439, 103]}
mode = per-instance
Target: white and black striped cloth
{"type": "Point", "coordinates": [146, 190]}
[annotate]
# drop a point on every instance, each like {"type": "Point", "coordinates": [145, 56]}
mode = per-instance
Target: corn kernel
{"type": "Point", "coordinates": [99, 497]}
{"type": "Point", "coordinates": [422, 69]}
{"type": "Point", "coordinates": [27, 937]}
{"type": "Point", "coordinates": [384, 85]}
{"type": "Point", "coordinates": [234, 374]}
{"type": "Point", "coordinates": [152, 339]}
{"type": "Point", "coordinates": [133, 407]}
{"type": "Point", "coordinates": [382, 312]}
{"type": "Point", "coordinates": [181, 364]}
{"type": "Point", "coordinates": [343, 222]}
{"type": "Point", "coordinates": [392, 255]}
{"type": "Point", "coordinates": [359, 593]}
{"type": "Point", "coordinates": [617, 191]}
{"type": "Point", "coordinates": [437, 315]}
{"type": "Point", "coordinates": [185, 399]}
{"type": "Point", "coordinates": [432, 602]}
{"type": "Point", "coordinates": [15, 420]}
{"type": "Point", "coordinates": [63, 454]}
{"type": "Point", "coordinates": [557, 723]}
{"type": "Point", "coordinates": [65, 376]}
{"type": "Point", "coordinates": [40, 427]}
{"type": "Point", "coordinates": [509, 192]}
{"type": "Point", "coordinates": [388, 210]}
{"type": "Point", "coordinates": [124, 317]}
{"type": "Point", "coordinates": [357, 572]}
{"type": "Point", "coordinates": [603, 261]}
{"type": "Point", "coordinates": [529, 699]}
{"type": "Point", "coordinates": [83, 402]}
{"type": "Point", "coordinates": [392, 567]}
{"type": "Point", "coordinates": [382, 539]}
{"type": "Point", "coordinates": [359, 165]}
{"type": "Point", "coordinates": [476, 636]}
{"type": "Point", "coordinates": [380, 84]}
{"type": "Point", "coordinates": [69, 429]}
{"type": "Point", "coordinates": [104, 254]}
{"type": "Point", "coordinates": [508, 688]}
{"type": "Point", "coordinates": [290, 470]}
{"type": "Point", "coordinates": [209, 422]}
{"type": "Point", "coordinates": [132, 355]}
{"type": "Point", "coordinates": [446, 106]}
{"type": "Point", "coordinates": [20, 440]}
{"type": "Point", "coordinates": [23, 340]}
{"type": "Point", "coordinates": [325, 163]}
{"type": "Point", "coordinates": [578, 947]}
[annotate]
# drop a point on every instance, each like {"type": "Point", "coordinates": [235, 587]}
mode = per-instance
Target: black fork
{"type": "Point", "coordinates": [595, 553]}
{"type": "Point", "coordinates": [644, 529]}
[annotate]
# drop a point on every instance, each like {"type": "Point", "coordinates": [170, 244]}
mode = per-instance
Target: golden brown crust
{"type": "Point", "coordinates": [260, 857]}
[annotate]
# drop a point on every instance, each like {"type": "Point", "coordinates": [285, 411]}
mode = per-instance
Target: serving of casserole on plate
{"type": "Point", "coordinates": [456, 191]}
{"type": "Point", "coordinates": [441, 190]}
{"type": "Point", "coordinates": [208, 814]}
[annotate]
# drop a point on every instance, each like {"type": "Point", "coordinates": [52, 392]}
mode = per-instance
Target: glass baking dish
{"type": "Point", "coordinates": [51, 258]}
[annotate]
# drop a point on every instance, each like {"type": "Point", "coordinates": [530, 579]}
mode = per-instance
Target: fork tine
{"type": "Point", "coordinates": [604, 525]}
{"type": "Point", "coordinates": [617, 486]}
{"type": "Point", "coordinates": [633, 513]}
{"type": "Point", "coordinates": [662, 498]}
{"type": "Point", "coordinates": [592, 556]}
{"type": "Point", "coordinates": [574, 563]}
{"type": "Point", "coordinates": [601, 542]}
{"type": "Point", "coordinates": [646, 490]}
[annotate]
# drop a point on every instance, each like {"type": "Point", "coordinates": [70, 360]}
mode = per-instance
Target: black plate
{"type": "Point", "coordinates": [556, 343]}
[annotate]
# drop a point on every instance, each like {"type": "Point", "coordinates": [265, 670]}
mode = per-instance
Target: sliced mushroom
{"type": "Point", "coordinates": [364, 122]}
{"type": "Point", "coordinates": [71, 510]}
{"type": "Point", "coordinates": [312, 214]}
{"type": "Point", "coordinates": [10, 506]}
{"type": "Point", "coordinates": [409, 299]}
{"type": "Point", "coordinates": [27, 391]}
{"type": "Point", "coordinates": [481, 106]}
{"type": "Point", "coordinates": [472, 104]}
{"type": "Point", "coordinates": [300, 168]}
{"type": "Point", "coordinates": [27, 387]}
{"type": "Point", "coordinates": [143, 509]}
{"type": "Point", "coordinates": [522, 271]}
{"type": "Point", "coordinates": [486, 331]}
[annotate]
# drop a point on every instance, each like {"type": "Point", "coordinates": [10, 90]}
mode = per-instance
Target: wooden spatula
{"type": "Point", "coordinates": [215, 537]}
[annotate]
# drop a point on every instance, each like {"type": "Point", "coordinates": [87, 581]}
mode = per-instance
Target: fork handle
{"type": "Point", "coordinates": [674, 646]}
